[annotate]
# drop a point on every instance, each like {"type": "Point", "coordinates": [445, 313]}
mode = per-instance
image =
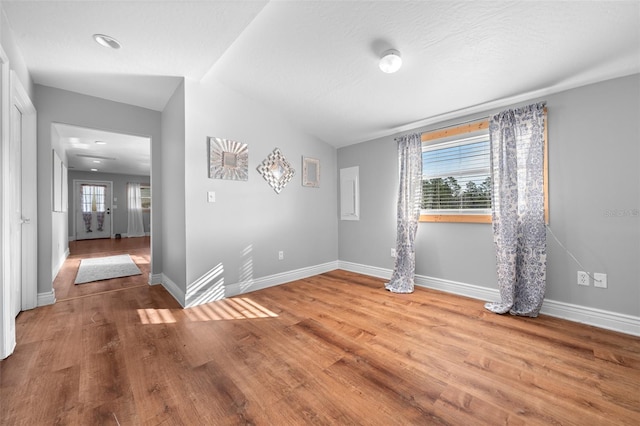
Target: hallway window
{"type": "Point", "coordinates": [93, 198]}
{"type": "Point", "coordinates": [145, 196]}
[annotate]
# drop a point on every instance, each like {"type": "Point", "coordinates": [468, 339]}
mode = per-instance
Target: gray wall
{"type": "Point", "coordinates": [119, 215]}
{"type": "Point", "coordinates": [61, 106]}
{"type": "Point", "coordinates": [593, 152]}
{"type": "Point", "coordinates": [16, 61]}
{"type": "Point", "coordinates": [249, 223]}
{"type": "Point", "coordinates": [173, 190]}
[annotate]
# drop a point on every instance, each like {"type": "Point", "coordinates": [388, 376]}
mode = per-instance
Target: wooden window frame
{"type": "Point", "coordinates": [470, 128]}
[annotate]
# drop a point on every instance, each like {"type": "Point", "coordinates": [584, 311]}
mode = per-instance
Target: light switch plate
{"type": "Point", "coordinates": [211, 196]}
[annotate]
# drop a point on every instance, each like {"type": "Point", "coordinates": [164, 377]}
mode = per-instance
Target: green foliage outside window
{"type": "Point", "coordinates": [448, 194]}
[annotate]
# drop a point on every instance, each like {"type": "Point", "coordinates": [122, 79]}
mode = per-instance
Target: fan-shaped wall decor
{"type": "Point", "coordinates": [228, 159]}
{"type": "Point", "coordinates": [276, 170]}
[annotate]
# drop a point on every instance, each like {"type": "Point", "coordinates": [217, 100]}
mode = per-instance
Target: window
{"type": "Point", "coordinates": [456, 175]}
{"type": "Point", "coordinates": [93, 198]}
{"type": "Point", "coordinates": [145, 196]}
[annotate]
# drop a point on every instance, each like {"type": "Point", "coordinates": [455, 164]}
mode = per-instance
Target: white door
{"type": "Point", "coordinates": [15, 209]}
{"type": "Point", "coordinates": [18, 207]}
{"type": "Point", "coordinates": [92, 209]}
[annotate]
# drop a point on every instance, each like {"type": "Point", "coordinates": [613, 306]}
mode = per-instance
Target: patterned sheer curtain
{"type": "Point", "coordinates": [409, 197]}
{"type": "Point", "coordinates": [519, 233]}
{"type": "Point", "coordinates": [135, 226]}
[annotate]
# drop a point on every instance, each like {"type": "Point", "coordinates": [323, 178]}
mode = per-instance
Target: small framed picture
{"type": "Point", "coordinates": [228, 159]}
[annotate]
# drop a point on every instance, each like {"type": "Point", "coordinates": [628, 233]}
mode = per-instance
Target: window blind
{"type": "Point", "coordinates": [456, 176]}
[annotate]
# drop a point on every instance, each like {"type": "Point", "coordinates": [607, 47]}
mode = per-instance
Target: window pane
{"type": "Point", "coordinates": [145, 196]}
{"type": "Point", "coordinates": [93, 198]}
{"type": "Point", "coordinates": [456, 176]}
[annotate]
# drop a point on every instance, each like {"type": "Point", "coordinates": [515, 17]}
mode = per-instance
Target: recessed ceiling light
{"type": "Point", "coordinates": [95, 157]}
{"type": "Point", "coordinates": [96, 161]}
{"type": "Point", "coordinates": [107, 41]}
{"type": "Point", "coordinates": [94, 170]}
{"type": "Point", "coordinates": [101, 143]}
{"type": "Point", "coordinates": [390, 61]}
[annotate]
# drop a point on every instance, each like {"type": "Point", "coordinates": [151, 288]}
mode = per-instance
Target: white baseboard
{"type": "Point", "coordinates": [48, 298]}
{"type": "Point", "coordinates": [211, 293]}
{"type": "Point", "coordinates": [59, 264]}
{"type": "Point", "coordinates": [277, 279]}
{"type": "Point", "coordinates": [372, 271]}
{"type": "Point", "coordinates": [170, 286]}
{"type": "Point", "coordinates": [155, 279]}
{"type": "Point", "coordinates": [597, 317]}
{"type": "Point", "coordinates": [9, 347]}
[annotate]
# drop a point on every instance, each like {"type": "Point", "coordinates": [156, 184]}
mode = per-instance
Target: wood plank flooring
{"type": "Point", "coordinates": [334, 349]}
{"type": "Point", "coordinates": [138, 248]}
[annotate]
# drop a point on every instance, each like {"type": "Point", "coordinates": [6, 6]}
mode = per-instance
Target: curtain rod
{"type": "Point", "coordinates": [473, 120]}
{"type": "Point", "coordinates": [462, 123]}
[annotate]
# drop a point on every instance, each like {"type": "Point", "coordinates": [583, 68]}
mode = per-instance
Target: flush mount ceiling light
{"type": "Point", "coordinates": [101, 143]}
{"type": "Point", "coordinates": [107, 41]}
{"type": "Point", "coordinates": [390, 61]}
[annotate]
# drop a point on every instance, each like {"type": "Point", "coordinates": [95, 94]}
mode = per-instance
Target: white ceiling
{"type": "Point", "coordinates": [116, 153]}
{"type": "Point", "coordinates": [316, 61]}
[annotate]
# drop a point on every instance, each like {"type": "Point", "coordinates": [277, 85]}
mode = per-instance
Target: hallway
{"type": "Point", "coordinates": [138, 248]}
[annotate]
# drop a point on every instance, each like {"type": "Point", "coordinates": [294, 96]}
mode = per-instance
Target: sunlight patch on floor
{"type": "Point", "coordinates": [229, 309]}
{"type": "Point", "coordinates": [237, 308]}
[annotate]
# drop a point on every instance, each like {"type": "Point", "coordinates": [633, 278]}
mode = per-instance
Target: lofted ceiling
{"type": "Point", "coordinates": [316, 61]}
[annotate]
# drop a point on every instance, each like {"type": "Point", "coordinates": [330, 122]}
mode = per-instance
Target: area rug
{"type": "Point", "coordinates": [105, 268]}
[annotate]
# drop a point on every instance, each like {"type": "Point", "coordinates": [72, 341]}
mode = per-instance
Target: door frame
{"type": "Point", "coordinates": [20, 99]}
{"type": "Point", "coordinates": [76, 203]}
{"type": "Point", "coordinates": [14, 94]}
{"type": "Point", "coordinates": [7, 321]}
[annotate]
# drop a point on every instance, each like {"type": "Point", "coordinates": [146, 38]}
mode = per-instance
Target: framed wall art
{"type": "Point", "coordinates": [228, 159]}
{"type": "Point", "coordinates": [310, 172]}
{"type": "Point", "coordinates": [276, 170]}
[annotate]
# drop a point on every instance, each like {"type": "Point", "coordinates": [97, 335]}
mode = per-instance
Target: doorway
{"type": "Point", "coordinates": [92, 209]}
{"type": "Point", "coordinates": [100, 166]}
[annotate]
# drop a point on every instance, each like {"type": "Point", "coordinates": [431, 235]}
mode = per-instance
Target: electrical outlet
{"type": "Point", "coordinates": [393, 252]}
{"type": "Point", "coordinates": [280, 255]}
{"type": "Point", "coordinates": [583, 278]}
{"type": "Point", "coordinates": [599, 280]}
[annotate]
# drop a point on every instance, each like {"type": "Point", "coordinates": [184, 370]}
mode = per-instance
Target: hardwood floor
{"type": "Point", "coordinates": [331, 349]}
{"type": "Point", "coordinates": [138, 248]}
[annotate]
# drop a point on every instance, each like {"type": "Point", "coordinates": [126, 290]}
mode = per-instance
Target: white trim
{"type": "Point", "coordinates": [358, 268]}
{"type": "Point", "coordinates": [48, 298]}
{"type": "Point", "coordinates": [277, 279]}
{"type": "Point", "coordinates": [243, 287]}
{"type": "Point", "coordinates": [155, 279]}
{"type": "Point", "coordinates": [172, 288]}
{"type": "Point", "coordinates": [20, 99]}
{"type": "Point", "coordinates": [7, 320]}
{"type": "Point", "coordinates": [58, 265]}
{"type": "Point", "coordinates": [597, 317]}
{"type": "Point", "coordinates": [583, 314]}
